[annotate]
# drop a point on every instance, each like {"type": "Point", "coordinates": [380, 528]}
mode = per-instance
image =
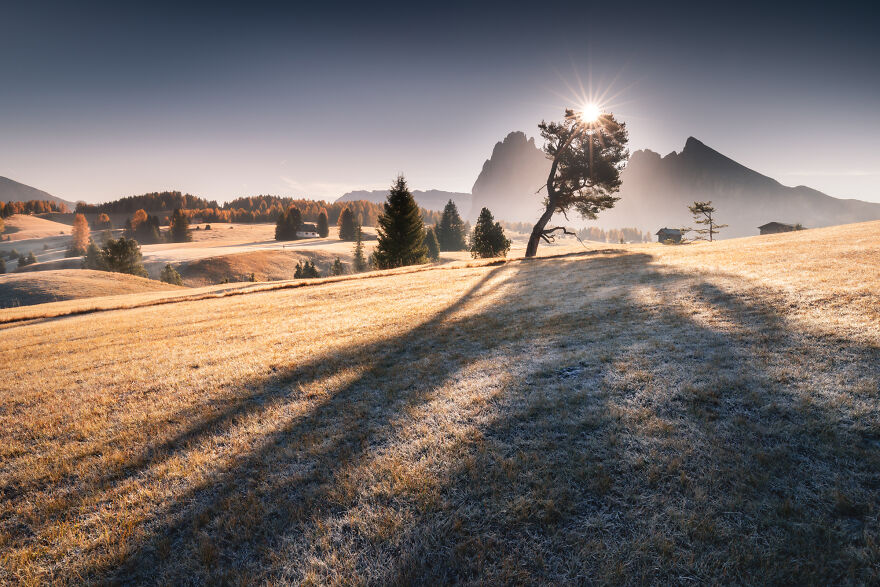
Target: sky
{"type": "Point", "coordinates": [100, 100]}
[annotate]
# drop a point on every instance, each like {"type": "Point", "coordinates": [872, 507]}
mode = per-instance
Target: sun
{"type": "Point", "coordinates": [590, 112]}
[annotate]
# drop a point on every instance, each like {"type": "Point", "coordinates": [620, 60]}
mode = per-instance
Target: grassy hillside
{"type": "Point", "coordinates": [631, 414]}
{"type": "Point", "coordinates": [25, 289]}
{"type": "Point", "coordinates": [23, 226]}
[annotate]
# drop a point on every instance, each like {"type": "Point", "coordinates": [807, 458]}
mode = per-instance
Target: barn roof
{"type": "Point", "coordinates": [669, 231]}
{"type": "Point", "coordinates": [776, 224]}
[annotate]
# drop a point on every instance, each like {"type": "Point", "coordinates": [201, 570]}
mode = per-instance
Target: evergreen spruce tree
{"type": "Point", "coordinates": [489, 240]}
{"type": "Point", "coordinates": [338, 268]}
{"type": "Point", "coordinates": [179, 231]}
{"type": "Point", "coordinates": [432, 244]}
{"type": "Point", "coordinates": [401, 231]}
{"type": "Point", "coordinates": [94, 259]}
{"type": "Point", "coordinates": [346, 225]}
{"type": "Point", "coordinates": [360, 261]}
{"type": "Point", "coordinates": [294, 221]}
{"type": "Point", "coordinates": [123, 256]}
{"type": "Point", "coordinates": [451, 230]}
{"type": "Point", "coordinates": [28, 259]}
{"type": "Point", "coordinates": [323, 226]}
{"type": "Point", "coordinates": [170, 275]}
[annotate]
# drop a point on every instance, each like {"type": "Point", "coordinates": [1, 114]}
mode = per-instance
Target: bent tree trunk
{"type": "Point", "coordinates": [538, 231]}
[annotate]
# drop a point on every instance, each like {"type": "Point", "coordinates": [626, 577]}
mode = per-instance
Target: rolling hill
{"type": "Point", "coordinates": [624, 414]}
{"type": "Point", "coordinates": [39, 287]}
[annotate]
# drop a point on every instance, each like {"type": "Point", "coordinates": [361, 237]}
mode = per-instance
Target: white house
{"type": "Point", "coordinates": [307, 230]}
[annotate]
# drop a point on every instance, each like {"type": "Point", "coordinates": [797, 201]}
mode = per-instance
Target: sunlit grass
{"type": "Point", "coordinates": [643, 414]}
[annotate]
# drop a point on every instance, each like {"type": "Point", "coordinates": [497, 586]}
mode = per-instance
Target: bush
{"type": "Point", "coordinates": [207, 227]}
{"type": "Point", "coordinates": [170, 275]}
{"type": "Point", "coordinates": [120, 256]}
{"type": "Point", "coordinates": [28, 259]}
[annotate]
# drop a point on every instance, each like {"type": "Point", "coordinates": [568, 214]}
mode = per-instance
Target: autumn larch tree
{"type": "Point", "coordinates": [80, 234]}
{"type": "Point", "coordinates": [451, 230]}
{"type": "Point", "coordinates": [401, 232]}
{"type": "Point", "coordinates": [587, 157]}
{"type": "Point", "coordinates": [703, 214]}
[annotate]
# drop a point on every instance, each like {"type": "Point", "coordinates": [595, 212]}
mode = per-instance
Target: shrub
{"type": "Point", "coordinates": [28, 259]}
{"type": "Point", "coordinates": [170, 275]}
{"type": "Point", "coordinates": [338, 268]}
{"type": "Point", "coordinates": [306, 271]}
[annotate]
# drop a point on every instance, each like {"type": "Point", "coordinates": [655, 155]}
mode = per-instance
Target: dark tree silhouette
{"type": "Point", "coordinates": [489, 240]}
{"type": "Point", "coordinates": [360, 260]}
{"type": "Point", "coordinates": [451, 230]}
{"type": "Point", "coordinates": [703, 214]}
{"type": "Point", "coordinates": [401, 231]}
{"type": "Point", "coordinates": [346, 225]}
{"type": "Point", "coordinates": [287, 224]}
{"type": "Point", "coordinates": [170, 275]}
{"type": "Point", "coordinates": [432, 245]}
{"type": "Point", "coordinates": [587, 157]}
{"type": "Point", "coordinates": [323, 226]}
{"type": "Point", "coordinates": [179, 231]}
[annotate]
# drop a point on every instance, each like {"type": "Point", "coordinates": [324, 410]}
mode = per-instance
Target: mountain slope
{"type": "Point", "coordinates": [428, 199]}
{"type": "Point", "coordinates": [13, 191]}
{"type": "Point", "coordinates": [657, 190]}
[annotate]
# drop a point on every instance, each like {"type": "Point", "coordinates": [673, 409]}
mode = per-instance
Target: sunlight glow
{"type": "Point", "coordinates": [590, 112]}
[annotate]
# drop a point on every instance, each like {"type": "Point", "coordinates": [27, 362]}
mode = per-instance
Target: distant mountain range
{"type": "Point", "coordinates": [656, 191]}
{"type": "Point", "coordinates": [13, 191]}
{"type": "Point", "coordinates": [430, 199]}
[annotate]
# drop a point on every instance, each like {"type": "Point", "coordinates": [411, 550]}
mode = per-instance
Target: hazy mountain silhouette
{"type": "Point", "coordinates": [429, 199]}
{"type": "Point", "coordinates": [510, 178]}
{"type": "Point", "coordinates": [13, 191]}
{"type": "Point", "coordinates": [657, 190]}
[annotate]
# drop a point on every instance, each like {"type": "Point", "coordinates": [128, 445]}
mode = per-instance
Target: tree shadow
{"type": "Point", "coordinates": [605, 452]}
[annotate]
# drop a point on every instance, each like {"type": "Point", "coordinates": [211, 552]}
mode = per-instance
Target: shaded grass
{"type": "Point", "coordinates": [581, 419]}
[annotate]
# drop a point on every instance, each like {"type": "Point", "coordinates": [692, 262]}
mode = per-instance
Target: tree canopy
{"type": "Point", "coordinates": [704, 214]}
{"type": "Point", "coordinates": [401, 232]}
{"type": "Point", "coordinates": [586, 160]}
{"type": "Point", "coordinates": [451, 233]}
{"type": "Point", "coordinates": [489, 239]}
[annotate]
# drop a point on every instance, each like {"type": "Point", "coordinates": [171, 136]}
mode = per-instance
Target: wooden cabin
{"type": "Point", "coordinates": [776, 227]}
{"type": "Point", "coordinates": [669, 235]}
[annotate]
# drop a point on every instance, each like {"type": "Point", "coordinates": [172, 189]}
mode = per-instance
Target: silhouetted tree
{"type": "Point", "coordinates": [338, 268]}
{"type": "Point", "coordinates": [2, 265]}
{"type": "Point", "coordinates": [432, 245]}
{"type": "Point", "coordinates": [121, 256]}
{"type": "Point", "coordinates": [287, 224]}
{"type": "Point", "coordinates": [703, 214]}
{"type": "Point", "coordinates": [360, 261]}
{"type": "Point", "coordinates": [179, 231]}
{"type": "Point", "coordinates": [170, 275]}
{"type": "Point", "coordinates": [346, 225]}
{"type": "Point", "coordinates": [401, 231]}
{"type": "Point", "coordinates": [488, 239]}
{"type": "Point", "coordinates": [451, 232]}
{"type": "Point", "coordinates": [586, 160]}
{"type": "Point", "coordinates": [323, 226]}
{"type": "Point", "coordinates": [306, 270]}
{"type": "Point", "coordinates": [80, 234]}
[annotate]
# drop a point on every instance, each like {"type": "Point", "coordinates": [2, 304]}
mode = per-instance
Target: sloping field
{"type": "Point", "coordinates": [639, 414]}
{"type": "Point", "coordinates": [23, 226]}
{"type": "Point", "coordinates": [271, 265]}
{"type": "Point", "coordinates": [25, 289]}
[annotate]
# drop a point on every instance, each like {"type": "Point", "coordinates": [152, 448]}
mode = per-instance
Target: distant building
{"type": "Point", "coordinates": [776, 227]}
{"type": "Point", "coordinates": [669, 234]}
{"type": "Point", "coordinates": [307, 230]}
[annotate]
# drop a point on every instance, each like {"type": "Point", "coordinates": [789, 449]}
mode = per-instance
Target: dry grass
{"type": "Point", "coordinates": [23, 289]}
{"type": "Point", "coordinates": [646, 414]}
{"type": "Point", "coordinates": [24, 226]}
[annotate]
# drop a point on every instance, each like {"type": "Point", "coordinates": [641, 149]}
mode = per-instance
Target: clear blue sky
{"type": "Point", "coordinates": [99, 101]}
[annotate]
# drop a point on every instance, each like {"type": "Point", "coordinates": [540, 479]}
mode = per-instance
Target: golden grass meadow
{"type": "Point", "coordinates": [707, 413]}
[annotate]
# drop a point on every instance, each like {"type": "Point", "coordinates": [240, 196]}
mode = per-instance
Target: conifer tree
{"type": "Point", "coordinates": [28, 259]}
{"type": "Point", "coordinates": [294, 221]}
{"type": "Point", "coordinates": [2, 265]}
{"type": "Point", "coordinates": [360, 261]}
{"type": "Point", "coordinates": [451, 230]}
{"type": "Point", "coordinates": [323, 226]}
{"type": "Point", "coordinates": [123, 256]}
{"type": "Point", "coordinates": [432, 244]}
{"type": "Point", "coordinates": [170, 275]}
{"type": "Point", "coordinates": [179, 231]}
{"type": "Point", "coordinates": [703, 214]}
{"type": "Point", "coordinates": [338, 268]}
{"type": "Point", "coordinates": [346, 225]}
{"type": "Point", "coordinates": [489, 240]}
{"type": "Point", "coordinates": [401, 231]}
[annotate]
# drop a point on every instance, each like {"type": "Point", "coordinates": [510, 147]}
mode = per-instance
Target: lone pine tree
{"type": "Point", "coordinates": [703, 214]}
{"type": "Point", "coordinates": [401, 232]}
{"type": "Point", "coordinates": [346, 225]}
{"type": "Point", "coordinates": [489, 239]}
{"type": "Point", "coordinates": [587, 156]}
{"type": "Point", "coordinates": [451, 231]}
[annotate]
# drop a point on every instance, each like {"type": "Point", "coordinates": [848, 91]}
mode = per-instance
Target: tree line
{"type": "Point", "coordinates": [7, 209]}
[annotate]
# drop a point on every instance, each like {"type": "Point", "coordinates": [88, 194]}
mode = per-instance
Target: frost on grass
{"type": "Point", "coordinates": [640, 415]}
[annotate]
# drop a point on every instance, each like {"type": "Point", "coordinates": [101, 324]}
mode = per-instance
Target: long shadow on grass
{"type": "Point", "coordinates": [615, 454]}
